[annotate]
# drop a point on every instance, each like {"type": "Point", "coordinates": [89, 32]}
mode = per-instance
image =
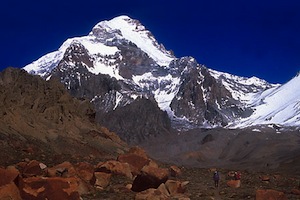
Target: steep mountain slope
{"type": "Point", "coordinates": [41, 119]}
{"type": "Point", "coordinates": [278, 105]}
{"type": "Point", "coordinates": [120, 62]}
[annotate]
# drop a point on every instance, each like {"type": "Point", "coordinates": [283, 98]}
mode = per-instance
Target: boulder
{"type": "Point", "coordinates": [65, 169]}
{"type": "Point", "coordinates": [295, 191]}
{"type": "Point", "coordinates": [152, 194]}
{"type": "Point", "coordinates": [234, 183]}
{"type": "Point", "coordinates": [270, 194]}
{"type": "Point", "coordinates": [115, 167]}
{"type": "Point", "coordinates": [9, 191]}
{"type": "Point", "coordinates": [150, 177]}
{"type": "Point", "coordinates": [49, 188]}
{"type": "Point", "coordinates": [8, 175]}
{"type": "Point", "coordinates": [85, 171]}
{"type": "Point", "coordinates": [163, 189]}
{"type": "Point", "coordinates": [264, 178]}
{"type": "Point", "coordinates": [102, 179]}
{"type": "Point", "coordinates": [33, 168]}
{"type": "Point", "coordinates": [176, 187]}
{"type": "Point", "coordinates": [136, 162]}
{"type": "Point", "coordinates": [174, 171]}
{"type": "Point", "coordinates": [159, 173]}
{"type": "Point", "coordinates": [138, 151]}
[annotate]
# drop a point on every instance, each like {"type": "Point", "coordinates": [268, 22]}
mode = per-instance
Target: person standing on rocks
{"type": "Point", "coordinates": [216, 178]}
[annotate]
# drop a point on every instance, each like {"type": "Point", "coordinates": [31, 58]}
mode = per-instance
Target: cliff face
{"type": "Point", "coordinates": [43, 117]}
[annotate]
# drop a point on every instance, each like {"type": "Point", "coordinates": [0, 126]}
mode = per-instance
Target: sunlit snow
{"type": "Point", "coordinates": [139, 36]}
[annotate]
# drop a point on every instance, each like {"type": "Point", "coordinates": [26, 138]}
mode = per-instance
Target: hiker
{"type": "Point", "coordinates": [216, 178]}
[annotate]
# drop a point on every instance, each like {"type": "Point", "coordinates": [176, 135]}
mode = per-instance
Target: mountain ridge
{"type": "Point", "coordinates": [136, 65]}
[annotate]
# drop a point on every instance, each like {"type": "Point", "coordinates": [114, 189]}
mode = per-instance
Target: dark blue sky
{"type": "Point", "coordinates": [242, 37]}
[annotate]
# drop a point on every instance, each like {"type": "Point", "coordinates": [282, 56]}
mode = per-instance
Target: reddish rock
{"type": "Point", "coordinates": [163, 189]}
{"type": "Point", "coordinates": [295, 191]}
{"type": "Point", "coordinates": [115, 167]}
{"type": "Point", "coordinates": [175, 171]}
{"type": "Point", "coordinates": [176, 187]}
{"type": "Point", "coordinates": [85, 171]}
{"type": "Point", "coordinates": [102, 179]}
{"type": "Point", "coordinates": [136, 162]}
{"type": "Point", "coordinates": [33, 168]}
{"type": "Point", "coordinates": [152, 164]}
{"type": "Point", "coordinates": [264, 178]}
{"type": "Point", "coordinates": [234, 183]}
{"type": "Point", "coordinates": [152, 194]}
{"type": "Point", "coordinates": [270, 195]}
{"type": "Point", "coordinates": [138, 151]}
{"type": "Point", "coordinates": [160, 173]}
{"type": "Point", "coordinates": [150, 177]}
{"type": "Point", "coordinates": [9, 191]}
{"type": "Point", "coordinates": [49, 188]}
{"type": "Point", "coordinates": [277, 177]}
{"type": "Point", "coordinates": [21, 165]}
{"type": "Point", "coordinates": [8, 176]}
{"type": "Point", "coordinates": [65, 169]}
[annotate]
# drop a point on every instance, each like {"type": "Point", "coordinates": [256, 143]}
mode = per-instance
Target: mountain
{"type": "Point", "coordinates": [39, 119]}
{"type": "Point", "coordinates": [140, 90]}
{"type": "Point", "coordinates": [278, 105]}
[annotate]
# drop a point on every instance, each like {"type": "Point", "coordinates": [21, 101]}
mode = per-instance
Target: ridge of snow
{"type": "Point", "coordinates": [164, 91]}
{"type": "Point", "coordinates": [244, 83]}
{"type": "Point", "coordinates": [137, 34]}
{"type": "Point", "coordinates": [279, 105]}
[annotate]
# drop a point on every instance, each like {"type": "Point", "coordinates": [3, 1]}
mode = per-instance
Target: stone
{"type": "Point", "coordinates": [264, 178]}
{"type": "Point", "coordinates": [163, 189]}
{"type": "Point", "coordinates": [43, 166]}
{"type": "Point", "coordinates": [174, 171]}
{"type": "Point", "coordinates": [152, 164]}
{"type": "Point", "coordinates": [33, 168]}
{"type": "Point", "coordinates": [115, 167]}
{"type": "Point", "coordinates": [150, 177]}
{"type": "Point", "coordinates": [138, 151]}
{"type": "Point", "coordinates": [270, 194]}
{"type": "Point", "coordinates": [152, 194]}
{"type": "Point", "coordinates": [136, 162]}
{"type": "Point", "coordinates": [9, 191]}
{"type": "Point", "coordinates": [128, 186]}
{"type": "Point", "coordinates": [85, 171]}
{"type": "Point", "coordinates": [102, 179]}
{"type": "Point", "coordinates": [160, 173]}
{"type": "Point", "coordinates": [49, 188]}
{"type": "Point", "coordinates": [65, 169]}
{"type": "Point", "coordinates": [234, 183]}
{"type": "Point", "coordinates": [176, 187]}
{"type": "Point", "coordinates": [295, 191]}
{"type": "Point", "coordinates": [180, 197]}
{"type": "Point", "coordinates": [8, 176]}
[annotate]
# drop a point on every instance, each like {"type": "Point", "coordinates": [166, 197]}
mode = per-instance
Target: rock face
{"type": "Point", "coordinates": [142, 119]}
{"type": "Point", "coordinates": [201, 98]}
{"type": "Point", "coordinates": [40, 119]}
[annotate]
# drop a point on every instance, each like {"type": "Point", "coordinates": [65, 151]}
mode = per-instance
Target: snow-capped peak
{"type": "Point", "coordinates": [135, 32]}
{"type": "Point", "coordinates": [277, 105]}
{"type": "Point", "coordinates": [122, 27]}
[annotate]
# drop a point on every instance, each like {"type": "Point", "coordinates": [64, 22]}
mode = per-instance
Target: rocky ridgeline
{"type": "Point", "coordinates": [132, 175]}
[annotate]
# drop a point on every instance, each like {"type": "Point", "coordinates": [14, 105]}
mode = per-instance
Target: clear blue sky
{"type": "Point", "coordinates": [242, 37]}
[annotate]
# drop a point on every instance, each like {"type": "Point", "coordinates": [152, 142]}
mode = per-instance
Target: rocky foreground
{"type": "Point", "coordinates": [134, 175]}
